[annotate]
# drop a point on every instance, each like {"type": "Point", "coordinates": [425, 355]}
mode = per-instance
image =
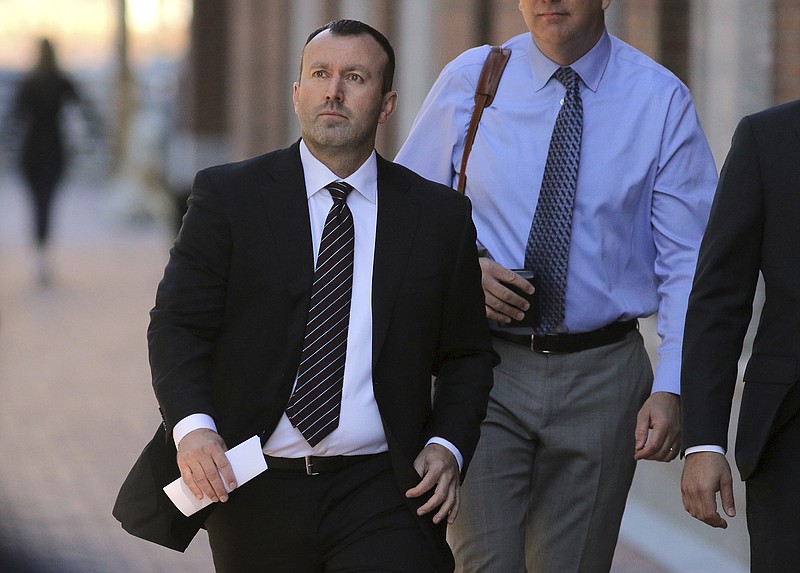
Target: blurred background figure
{"type": "Point", "coordinates": [37, 114]}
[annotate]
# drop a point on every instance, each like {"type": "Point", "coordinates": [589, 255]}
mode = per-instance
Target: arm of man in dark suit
{"type": "Point", "coordinates": [439, 471]}
{"type": "Point", "coordinates": [465, 361]}
{"type": "Point", "coordinates": [720, 308]}
{"type": "Point", "coordinates": [183, 326]}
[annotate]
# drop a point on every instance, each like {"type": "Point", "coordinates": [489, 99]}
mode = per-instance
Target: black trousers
{"type": "Point", "coordinates": [42, 165]}
{"type": "Point", "coordinates": [773, 495]}
{"type": "Point", "coordinates": [351, 520]}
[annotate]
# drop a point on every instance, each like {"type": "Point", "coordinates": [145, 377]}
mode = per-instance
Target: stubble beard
{"type": "Point", "coordinates": [337, 136]}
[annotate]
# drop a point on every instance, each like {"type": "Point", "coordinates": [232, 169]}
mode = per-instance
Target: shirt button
{"type": "Point", "coordinates": [562, 102]}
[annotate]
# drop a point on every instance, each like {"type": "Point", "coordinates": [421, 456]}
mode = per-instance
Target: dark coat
{"type": "Point", "coordinates": [754, 227]}
{"type": "Point", "coordinates": [227, 329]}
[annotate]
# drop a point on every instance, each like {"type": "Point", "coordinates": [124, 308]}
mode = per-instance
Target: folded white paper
{"type": "Point", "coordinates": [247, 461]}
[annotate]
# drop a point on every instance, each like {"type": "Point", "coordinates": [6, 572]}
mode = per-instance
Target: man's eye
{"type": "Point", "coordinates": [354, 77]}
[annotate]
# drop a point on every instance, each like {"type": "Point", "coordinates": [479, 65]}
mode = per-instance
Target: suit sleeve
{"type": "Point", "coordinates": [465, 358]}
{"type": "Point", "coordinates": [721, 301]}
{"type": "Point", "coordinates": [189, 308]}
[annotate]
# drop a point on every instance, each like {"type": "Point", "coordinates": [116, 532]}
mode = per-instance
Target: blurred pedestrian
{"type": "Point", "coordinates": [38, 108]}
{"type": "Point", "coordinates": [752, 230]}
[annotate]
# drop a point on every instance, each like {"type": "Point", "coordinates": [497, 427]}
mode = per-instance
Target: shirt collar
{"type": "Point", "coordinates": [317, 175]}
{"type": "Point", "coordinates": [590, 67]}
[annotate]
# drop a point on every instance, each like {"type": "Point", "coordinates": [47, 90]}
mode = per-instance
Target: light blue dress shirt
{"type": "Point", "coordinates": [645, 182]}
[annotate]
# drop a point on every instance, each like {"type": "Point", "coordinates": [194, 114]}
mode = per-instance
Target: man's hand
{"type": "Point", "coordinates": [658, 430]}
{"type": "Point", "coordinates": [437, 466]}
{"type": "Point", "coordinates": [503, 304]}
{"type": "Point", "coordinates": [201, 459]}
{"type": "Point", "coordinates": [705, 474]}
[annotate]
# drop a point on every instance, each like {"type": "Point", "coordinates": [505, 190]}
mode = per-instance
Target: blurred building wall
{"type": "Point", "coordinates": [786, 68]}
{"type": "Point", "coordinates": [202, 132]}
{"type": "Point", "coordinates": [735, 55]}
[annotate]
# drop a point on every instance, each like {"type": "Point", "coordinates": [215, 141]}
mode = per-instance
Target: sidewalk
{"type": "Point", "coordinates": [77, 406]}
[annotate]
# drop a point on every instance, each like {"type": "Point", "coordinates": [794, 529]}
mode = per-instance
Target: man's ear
{"type": "Point", "coordinates": [295, 87]}
{"type": "Point", "coordinates": [388, 107]}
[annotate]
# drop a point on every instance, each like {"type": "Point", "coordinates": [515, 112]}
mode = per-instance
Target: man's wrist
{"type": "Point", "coordinates": [449, 446]}
{"type": "Point", "coordinates": [191, 423]}
{"type": "Point", "coordinates": [704, 448]}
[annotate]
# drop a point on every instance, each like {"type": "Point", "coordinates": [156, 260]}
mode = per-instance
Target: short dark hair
{"type": "Point", "coordinates": [356, 28]}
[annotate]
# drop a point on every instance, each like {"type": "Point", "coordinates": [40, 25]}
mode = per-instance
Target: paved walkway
{"type": "Point", "coordinates": [77, 407]}
{"type": "Point", "coordinates": [76, 403]}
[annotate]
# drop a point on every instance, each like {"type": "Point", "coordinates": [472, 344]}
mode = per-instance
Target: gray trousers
{"type": "Point", "coordinates": [547, 487]}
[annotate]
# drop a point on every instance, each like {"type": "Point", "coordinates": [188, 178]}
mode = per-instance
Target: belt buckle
{"type": "Point", "coordinates": [310, 466]}
{"type": "Point", "coordinates": [534, 338]}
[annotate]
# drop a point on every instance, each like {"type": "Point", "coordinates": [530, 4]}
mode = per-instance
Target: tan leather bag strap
{"type": "Point", "coordinates": [484, 94]}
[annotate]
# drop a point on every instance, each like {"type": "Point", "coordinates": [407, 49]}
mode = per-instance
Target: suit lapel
{"type": "Point", "coordinates": [286, 207]}
{"type": "Point", "coordinates": [398, 216]}
{"type": "Point", "coordinates": [288, 224]}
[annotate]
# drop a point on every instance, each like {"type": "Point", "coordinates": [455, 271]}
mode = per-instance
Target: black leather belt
{"type": "Point", "coordinates": [570, 342]}
{"type": "Point", "coordinates": [315, 465]}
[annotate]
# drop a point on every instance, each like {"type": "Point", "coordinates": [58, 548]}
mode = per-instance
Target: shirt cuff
{"type": "Point", "coordinates": [704, 448]}
{"type": "Point", "coordinates": [191, 423]}
{"type": "Point", "coordinates": [667, 374]}
{"type": "Point", "coordinates": [449, 446]}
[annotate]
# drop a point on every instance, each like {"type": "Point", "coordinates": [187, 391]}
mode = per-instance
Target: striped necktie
{"type": "Point", "coordinates": [316, 402]}
{"type": "Point", "coordinates": [547, 251]}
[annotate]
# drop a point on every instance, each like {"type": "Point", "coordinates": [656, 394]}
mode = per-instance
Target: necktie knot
{"type": "Point", "coordinates": [339, 191]}
{"type": "Point", "coordinates": [568, 78]}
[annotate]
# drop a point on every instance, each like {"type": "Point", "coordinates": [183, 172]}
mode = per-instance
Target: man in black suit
{"type": "Point", "coordinates": [753, 227]}
{"type": "Point", "coordinates": [230, 325]}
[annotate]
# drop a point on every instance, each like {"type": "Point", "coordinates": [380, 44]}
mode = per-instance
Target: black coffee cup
{"type": "Point", "coordinates": [531, 317]}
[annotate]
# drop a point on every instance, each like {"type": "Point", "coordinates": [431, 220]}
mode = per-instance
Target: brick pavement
{"type": "Point", "coordinates": [77, 405]}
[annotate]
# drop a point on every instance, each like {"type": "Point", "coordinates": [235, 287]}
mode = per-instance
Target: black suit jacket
{"type": "Point", "coordinates": [227, 329]}
{"type": "Point", "coordinates": [754, 226]}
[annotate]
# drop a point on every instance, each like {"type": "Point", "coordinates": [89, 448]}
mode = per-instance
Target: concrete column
{"type": "Point", "coordinates": [730, 65]}
{"type": "Point", "coordinates": [507, 21]}
{"type": "Point", "coordinates": [357, 10]}
{"type": "Point", "coordinates": [417, 68]}
{"type": "Point", "coordinates": [786, 70]}
{"type": "Point", "coordinates": [199, 137]}
{"type": "Point", "coordinates": [258, 95]}
{"type": "Point", "coordinates": [674, 30]}
{"type": "Point", "coordinates": [614, 21]}
{"type": "Point", "coordinates": [460, 24]}
{"type": "Point", "coordinates": [638, 25]}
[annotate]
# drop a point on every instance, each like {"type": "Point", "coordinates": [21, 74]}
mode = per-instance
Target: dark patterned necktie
{"type": "Point", "coordinates": [547, 250]}
{"type": "Point", "coordinates": [316, 402]}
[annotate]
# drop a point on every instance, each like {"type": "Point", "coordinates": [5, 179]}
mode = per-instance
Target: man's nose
{"type": "Point", "coordinates": [334, 91]}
